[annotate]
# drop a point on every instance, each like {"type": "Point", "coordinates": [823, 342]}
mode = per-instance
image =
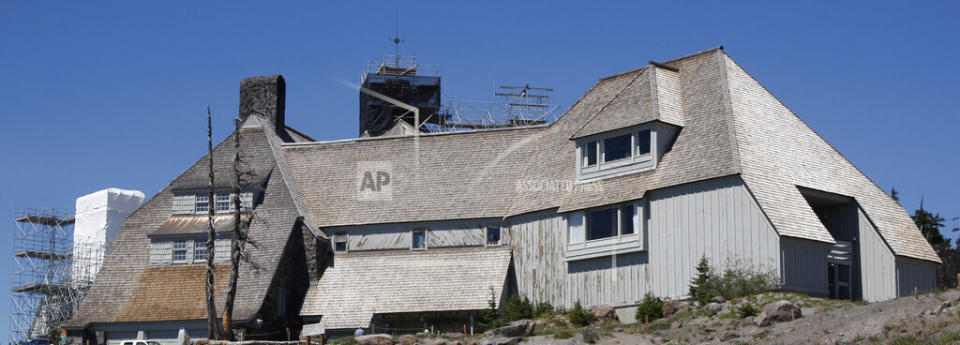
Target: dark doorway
{"type": "Point", "coordinates": [839, 214]}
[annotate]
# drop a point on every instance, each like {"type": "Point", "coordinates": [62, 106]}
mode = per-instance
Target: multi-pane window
{"type": "Point", "coordinates": [607, 222]}
{"type": "Point", "coordinates": [203, 203]}
{"type": "Point", "coordinates": [493, 236]}
{"type": "Point", "coordinates": [199, 250]}
{"type": "Point", "coordinates": [617, 152]}
{"type": "Point", "coordinates": [180, 251]}
{"type": "Point", "coordinates": [223, 201]}
{"type": "Point", "coordinates": [419, 238]}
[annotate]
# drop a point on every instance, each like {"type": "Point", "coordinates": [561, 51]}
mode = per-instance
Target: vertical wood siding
{"type": "Point", "coordinates": [877, 264]}
{"type": "Point", "coordinates": [804, 265]}
{"type": "Point", "coordinates": [718, 219]}
{"type": "Point", "coordinates": [913, 273]}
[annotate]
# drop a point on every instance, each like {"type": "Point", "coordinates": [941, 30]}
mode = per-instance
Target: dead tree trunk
{"type": "Point", "coordinates": [237, 237]}
{"type": "Point", "coordinates": [212, 324]}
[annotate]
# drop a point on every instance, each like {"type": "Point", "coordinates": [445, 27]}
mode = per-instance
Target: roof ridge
{"type": "Point", "coordinates": [594, 116]}
{"type": "Point", "coordinates": [408, 136]}
{"type": "Point", "coordinates": [664, 64]}
{"type": "Point", "coordinates": [728, 109]}
{"type": "Point", "coordinates": [293, 187]}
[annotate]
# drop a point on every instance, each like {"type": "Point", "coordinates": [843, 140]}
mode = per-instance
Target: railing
{"type": "Point", "coordinates": [841, 253]}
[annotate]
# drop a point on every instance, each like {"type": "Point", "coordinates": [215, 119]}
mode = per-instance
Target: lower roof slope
{"type": "Point", "coordinates": [358, 286]}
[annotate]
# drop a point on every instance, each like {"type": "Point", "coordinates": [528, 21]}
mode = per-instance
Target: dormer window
{"type": "Point", "coordinates": [186, 202]}
{"type": "Point", "coordinates": [618, 152]}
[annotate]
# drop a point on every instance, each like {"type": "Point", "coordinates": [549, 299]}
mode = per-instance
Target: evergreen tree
{"type": "Point", "coordinates": [699, 287]}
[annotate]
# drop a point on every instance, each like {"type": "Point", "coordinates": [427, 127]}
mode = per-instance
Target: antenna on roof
{"type": "Point", "coordinates": [396, 33]}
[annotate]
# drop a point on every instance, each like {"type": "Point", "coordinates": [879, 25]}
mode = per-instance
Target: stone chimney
{"type": "Point", "coordinates": [264, 96]}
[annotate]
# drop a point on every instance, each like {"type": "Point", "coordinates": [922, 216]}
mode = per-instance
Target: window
{"type": "Point", "coordinates": [203, 203]}
{"type": "Point", "coordinates": [643, 142]}
{"type": "Point", "coordinates": [493, 236]}
{"type": "Point", "coordinates": [419, 239]}
{"type": "Point", "coordinates": [627, 214]}
{"type": "Point", "coordinates": [590, 154]}
{"type": "Point", "coordinates": [199, 250]}
{"type": "Point", "coordinates": [340, 242]}
{"type": "Point", "coordinates": [223, 201]}
{"type": "Point", "coordinates": [617, 148]}
{"type": "Point", "coordinates": [180, 251]}
{"type": "Point", "coordinates": [601, 224]}
{"type": "Point", "coordinates": [605, 231]}
{"type": "Point", "coordinates": [619, 152]}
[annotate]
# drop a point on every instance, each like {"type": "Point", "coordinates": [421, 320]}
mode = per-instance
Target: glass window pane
{"type": "Point", "coordinates": [626, 218]}
{"type": "Point", "coordinates": [493, 236]}
{"type": "Point", "coordinates": [203, 203]}
{"type": "Point", "coordinates": [643, 142]}
{"type": "Point", "coordinates": [419, 239]}
{"type": "Point", "coordinates": [590, 154]}
{"type": "Point", "coordinates": [616, 148]}
{"type": "Point", "coordinates": [601, 223]}
{"type": "Point", "coordinates": [223, 201]}
{"type": "Point", "coordinates": [199, 250]}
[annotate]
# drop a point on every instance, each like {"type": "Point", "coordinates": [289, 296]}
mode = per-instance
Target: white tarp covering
{"type": "Point", "coordinates": [99, 217]}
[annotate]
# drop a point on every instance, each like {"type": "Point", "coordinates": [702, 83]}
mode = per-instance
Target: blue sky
{"type": "Point", "coordinates": [114, 95]}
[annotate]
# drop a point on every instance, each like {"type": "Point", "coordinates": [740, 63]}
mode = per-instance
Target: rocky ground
{"type": "Point", "coordinates": [784, 318]}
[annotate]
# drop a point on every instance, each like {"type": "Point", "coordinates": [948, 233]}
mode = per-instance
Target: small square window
{"type": "Point", "coordinates": [590, 154]}
{"type": "Point", "coordinates": [199, 250]}
{"type": "Point", "coordinates": [493, 236]}
{"type": "Point", "coordinates": [643, 142]}
{"type": "Point", "coordinates": [617, 148]}
{"type": "Point", "coordinates": [419, 239]}
{"type": "Point", "coordinates": [223, 201]}
{"type": "Point", "coordinates": [179, 250]}
{"type": "Point", "coordinates": [340, 242]}
{"type": "Point", "coordinates": [203, 203]}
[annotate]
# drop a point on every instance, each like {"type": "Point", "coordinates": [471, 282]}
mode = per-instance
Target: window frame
{"type": "Point", "coordinates": [204, 247]}
{"type": "Point", "coordinates": [346, 242]}
{"type": "Point", "coordinates": [486, 240]}
{"type": "Point", "coordinates": [636, 162]}
{"type": "Point", "coordinates": [413, 236]}
{"type": "Point", "coordinates": [579, 247]}
{"type": "Point", "coordinates": [197, 202]}
{"type": "Point", "coordinates": [217, 201]}
{"type": "Point", "coordinates": [174, 250]}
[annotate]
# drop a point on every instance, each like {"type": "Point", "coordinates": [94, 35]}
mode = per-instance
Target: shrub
{"type": "Point", "coordinates": [700, 286]}
{"type": "Point", "coordinates": [590, 336]}
{"type": "Point", "coordinates": [563, 334]}
{"type": "Point", "coordinates": [489, 318]}
{"type": "Point", "coordinates": [543, 309]}
{"type": "Point", "coordinates": [580, 317]}
{"type": "Point", "coordinates": [735, 281]}
{"type": "Point", "coordinates": [518, 308]}
{"type": "Point", "coordinates": [651, 307]}
{"type": "Point", "coordinates": [747, 310]}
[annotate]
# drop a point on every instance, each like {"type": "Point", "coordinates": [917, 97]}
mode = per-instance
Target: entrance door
{"type": "Point", "coordinates": [839, 277]}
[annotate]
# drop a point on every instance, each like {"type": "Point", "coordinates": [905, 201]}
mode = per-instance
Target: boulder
{"type": "Point", "coordinates": [782, 310]}
{"type": "Point", "coordinates": [714, 308]}
{"type": "Point", "coordinates": [500, 341]}
{"type": "Point", "coordinates": [434, 341]}
{"type": "Point", "coordinates": [605, 313]}
{"type": "Point", "coordinates": [718, 299]}
{"type": "Point", "coordinates": [779, 311]}
{"type": "Point", "coordinates": [519, 328]}
{"type": "Point", "coordinates": [374, 339]}
{"type": "Point", "coordinates": [407, 339]}
{"type": "Point", "coordinates": [676, 324]}
{"type": "Point", "coordinates": [673, 307]}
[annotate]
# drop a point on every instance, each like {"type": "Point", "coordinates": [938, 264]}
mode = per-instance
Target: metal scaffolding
{"type": "Point", "coordinates": [513, 106]}
{"type": "Point", "coordinates": [43, 294]}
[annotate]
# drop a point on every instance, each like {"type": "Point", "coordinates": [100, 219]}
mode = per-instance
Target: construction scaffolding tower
{"type": "Point", "coordinates": [513, 106]}
{"type": "Point", "coordinates": [44, 295]}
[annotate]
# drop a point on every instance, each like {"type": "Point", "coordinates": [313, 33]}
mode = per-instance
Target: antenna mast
{"type": "Point", "coordinates": [396, 34]}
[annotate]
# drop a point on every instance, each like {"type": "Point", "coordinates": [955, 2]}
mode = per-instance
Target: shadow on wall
{"type": "Point", "coordinates": [607, 262]}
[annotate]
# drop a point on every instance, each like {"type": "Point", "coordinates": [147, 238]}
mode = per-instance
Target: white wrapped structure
{"type": "Point", "coordinates": [98, 220]}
